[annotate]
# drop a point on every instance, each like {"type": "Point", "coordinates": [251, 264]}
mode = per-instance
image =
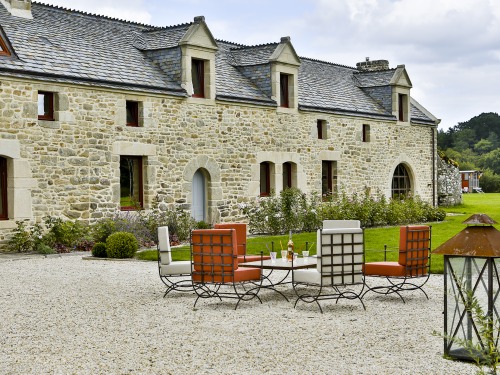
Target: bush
{"type": "Point", "coordinates": [121, 245]}
{"type": "Point", "coordinates": [99, 250]}
{"type": "Point", "coordinates": [292, 210]}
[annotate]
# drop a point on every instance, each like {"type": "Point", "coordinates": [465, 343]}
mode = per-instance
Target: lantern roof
{"type": "Point", "coordinates": [478, 239]}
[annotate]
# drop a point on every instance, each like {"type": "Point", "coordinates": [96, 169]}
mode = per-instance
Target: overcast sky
{"type": "Point", "coordinates": [451, 48]}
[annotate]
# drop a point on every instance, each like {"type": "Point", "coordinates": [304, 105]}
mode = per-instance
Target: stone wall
{"type": "Point", "coordinates": [449, 183]}
{"type": "Point", "coordinates": [73, 162]}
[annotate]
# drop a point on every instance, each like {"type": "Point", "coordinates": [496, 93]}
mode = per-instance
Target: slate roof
{"type": "Point", "coordinates": [70, 46]}
{"type": "Point", "coordinates": [374, 79]}
{"type": "Point", "coordinates": [332, 87]}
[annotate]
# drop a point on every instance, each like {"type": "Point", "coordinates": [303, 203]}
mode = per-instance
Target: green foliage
{"type": "Point", "coordinates": [99, 250]}
{"type": "Point", "coordinates": [490, 182]}
{"type": "Point", "coordinates": [21, 240]}
{"type": "Point", "coordinates": [474, 144]}
{"type": "Point", "coordinates": [65, 235]}
{"type": "Point", "coordinates": [292, 210]}
{"type": "Point", "coordinates": [102, 229]}
{"type": "Point", "coordinates": [121, 245]}
{"type": "Point", "coordinates": [202, 225]}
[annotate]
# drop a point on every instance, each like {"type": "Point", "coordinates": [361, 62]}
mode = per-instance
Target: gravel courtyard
{"type": "Point", "coordinates": [67, 315]}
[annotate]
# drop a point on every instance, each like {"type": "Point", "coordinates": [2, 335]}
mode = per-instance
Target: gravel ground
{"type": "Point", "coordinates": [66, 315]}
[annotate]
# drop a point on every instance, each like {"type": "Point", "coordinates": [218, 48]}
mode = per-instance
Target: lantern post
{"type": "Point", "coordinates": [471, 290]}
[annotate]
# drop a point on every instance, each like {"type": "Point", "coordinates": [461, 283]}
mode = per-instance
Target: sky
{"type": "Point", "coordinates": [450, 48]}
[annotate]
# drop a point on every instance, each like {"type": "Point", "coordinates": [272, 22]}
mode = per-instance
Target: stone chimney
{"type": "Point", "coordinates": [372, 66]}
{"type": "Point", "coordinates": [18, 8]}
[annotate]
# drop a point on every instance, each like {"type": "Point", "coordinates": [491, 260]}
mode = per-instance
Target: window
{"type": "Point", "coordinates": [287, 175]}
{"type": "Point", "coordinates": [328, 178]}
{"type": "Point", "coordinates": [131, 189]}
{"type": "Point", "coordinates": [265, 179]}
{"type": "Point", "coordinates": [366, 133]}
{"type": "Point", "coordinates": [321, 127]}
{"type": "Point", "coordinates": [402, 107]}
{"type": "Point", "coordinates": [198, 77]}
{"type": "Point", "coordinates": [132, 113]}
{"type": "Point", "coordinates": [4, 51]}
{"type": "Point", "coordinates": [3, 189]}
{"type": "Point", "coordinates": [401, 187]}
{"type": "Point", "coordinates": [284, 94]}
{"type": "Point", "coordinates": [45, 106]}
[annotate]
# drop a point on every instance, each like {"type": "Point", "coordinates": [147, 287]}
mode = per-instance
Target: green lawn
{"type": "Point", "coordinates": [375, 238]}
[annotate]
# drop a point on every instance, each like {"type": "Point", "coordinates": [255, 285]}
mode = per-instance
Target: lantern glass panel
{"type": "Point", "coordinates": [469, 279]}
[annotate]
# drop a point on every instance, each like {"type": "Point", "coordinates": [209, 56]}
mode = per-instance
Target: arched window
{"type": "Point", "coordinates": [401, 186]}
{"type": "Point", "coordinates": [3, 189]}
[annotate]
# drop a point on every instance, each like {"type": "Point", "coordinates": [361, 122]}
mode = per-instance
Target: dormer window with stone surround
{"type": "Point", "coordinates": [402, 107]}
{"type": "Point", "coordinates": [198, 48]}
{"type": "Point", "coordinates": [284, 90]}
{"type": "Point", "coordinates": [198, 77]}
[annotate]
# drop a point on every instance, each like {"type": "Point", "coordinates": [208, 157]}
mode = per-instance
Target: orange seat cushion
{"type": "Point", "coordinates": [241, 274]}
{"type": "Point", "coordinates": [384, 269]}
{"type": "Point", "coordinates": [251, 258]}
{"type": "Point", "coordinates": [214, 250]}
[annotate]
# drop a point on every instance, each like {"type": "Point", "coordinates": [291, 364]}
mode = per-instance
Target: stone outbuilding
{"type": "Point", "coordinates": [98, 115]}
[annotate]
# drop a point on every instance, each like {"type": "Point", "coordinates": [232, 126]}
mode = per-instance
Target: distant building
{"type": "Point", "coordinates": [470, 181]}
{"type": "Point", "coordinates": [98, 115]}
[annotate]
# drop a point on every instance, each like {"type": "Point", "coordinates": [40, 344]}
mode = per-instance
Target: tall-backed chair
{"type": "Point", "coordinates": [174, 274]}
{"type": "Point", "coordinates": [241, 238]}
{"type": "Point", "coordinates": [215, 271]}
{"type": "Point", "coordinates": [339, 274]}
{"type": "Point", "coordinates": [412, 269]}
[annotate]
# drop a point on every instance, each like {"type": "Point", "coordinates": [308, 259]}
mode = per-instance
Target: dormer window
{"type": "Point", "coordinates": [45, 106]}
{"type": "Point", "coordinates": [284, 91]}
{"type": "Point", "coordinates": [198, 77]}
{"type": "Point", "coordinates": [402, 107]}
{"type": "Point", "coordinates": [4, 51]}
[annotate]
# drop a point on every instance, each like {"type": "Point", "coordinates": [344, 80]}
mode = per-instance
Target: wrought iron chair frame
{"type": "Point", "coordinates": [350, 270]}
{"type": "Point", "coordinates": [218, 281]}
{"type": "Point", "coordinates": [417, 267]}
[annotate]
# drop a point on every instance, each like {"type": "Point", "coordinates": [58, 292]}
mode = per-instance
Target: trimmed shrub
{"type": "Point", "coordinates": [99, 250]}
{"type": "Point", "coordinates": [121, 245]}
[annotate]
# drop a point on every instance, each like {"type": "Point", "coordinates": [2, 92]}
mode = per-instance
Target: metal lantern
{"type": "Point", "coordinates": [471, 279]}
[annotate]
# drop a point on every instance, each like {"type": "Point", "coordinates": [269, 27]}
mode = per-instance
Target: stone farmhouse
{"type": "Point", "coordinates": [98, 115]}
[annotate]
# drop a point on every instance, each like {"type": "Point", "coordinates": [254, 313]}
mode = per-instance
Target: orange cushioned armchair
{"type": "Point", "coordinates": [411, 271]}
{"type": "Point", "coordinates": [215, 271]}
{"type": "Point", "coordinates": [241, 238]}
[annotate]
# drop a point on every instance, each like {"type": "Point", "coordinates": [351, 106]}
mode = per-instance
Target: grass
{"type": "Point", "coordinates": [376, 238]}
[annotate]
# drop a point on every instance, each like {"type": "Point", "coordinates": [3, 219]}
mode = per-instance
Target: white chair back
{"type": "Point", "coordinates": [164, 245]}
{"type": "Point", "coordinates": [336, 224]}
{"type": "Point", "coordinates": [340, 254]}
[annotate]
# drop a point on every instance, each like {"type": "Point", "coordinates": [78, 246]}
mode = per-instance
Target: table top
{"type": "Point", "coordinates": [279, 264]}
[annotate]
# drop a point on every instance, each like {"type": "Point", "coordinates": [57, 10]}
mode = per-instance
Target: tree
{"type": "Point", "coordinates": [483, 146]}
{"type": "Point", "coordinates": [491, 160]}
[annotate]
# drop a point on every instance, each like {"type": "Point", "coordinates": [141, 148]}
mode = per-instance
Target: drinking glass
{"type": "Point", "coordinates": [305, 255]}
{"type": "Point", "coordinates": [273, 256]}
{"type": "Point", "coordinates": [283, 255]}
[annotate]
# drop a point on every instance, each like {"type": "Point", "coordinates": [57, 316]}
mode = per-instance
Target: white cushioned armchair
{"type": "Point", "coordinates": [339, 271]}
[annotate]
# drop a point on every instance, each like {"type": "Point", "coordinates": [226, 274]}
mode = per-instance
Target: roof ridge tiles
{"type": "Point", "coordinates": [95, 15]}
{"type": "Point", "coordinates": [160, 28]}
{"type": "Point", "coordinates": [327, 62]}
{"type": "Point", "coordinates": [256, 46]}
